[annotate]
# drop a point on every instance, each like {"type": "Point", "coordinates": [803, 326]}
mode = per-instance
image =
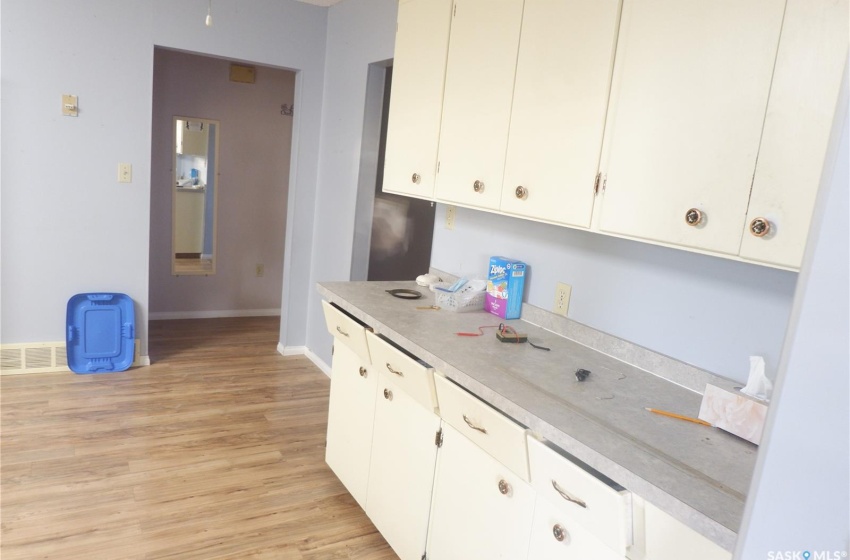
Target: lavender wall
{"type": "Point", "coordinates": [711, 312]}
{"type": "Point", "coordinates": [253, 185]}
{"type": "Point", "coordinates": [67, 225]}
{"type": "Point", "coordinates": [360, 32]}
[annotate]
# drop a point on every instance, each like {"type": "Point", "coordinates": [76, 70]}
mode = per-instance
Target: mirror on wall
{"type": "Point", "coordinates": [195, 186]}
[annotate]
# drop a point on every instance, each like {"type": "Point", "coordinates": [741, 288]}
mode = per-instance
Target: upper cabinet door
{"type": "Point", "coordinates": [689, 93]}
{"type": "Point", "coordinates": [416, 97]}
{"type": "Point", "coordinates": [477, 101]}
{"type": "Point", "coordinates": [803, 97]}
{"type": "Point", "coordinates": [563, 77]}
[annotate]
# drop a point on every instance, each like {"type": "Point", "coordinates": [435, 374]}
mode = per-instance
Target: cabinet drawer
{"type": "Point", "coordinates": [408, 373]}
{"type": "Point", "coordinates": [600, 506]}
{"type": "Point", "coordinates": [347, 330]}
{"type": "Point", "coordinates": [488, 428]}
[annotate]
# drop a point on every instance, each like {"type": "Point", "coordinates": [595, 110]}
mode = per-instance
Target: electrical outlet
{"type": "Point", "coordinates": [562, 298]}
{"type": "Point", "coordinates": [260, 270]}
{"type": "Point", "coordinates": [125, 173]}
{"type": "Point", "coordinates": [450, 217]}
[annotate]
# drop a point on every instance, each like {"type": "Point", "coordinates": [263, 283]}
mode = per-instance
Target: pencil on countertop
{"type": "Point", "coordinates": [679, 416]}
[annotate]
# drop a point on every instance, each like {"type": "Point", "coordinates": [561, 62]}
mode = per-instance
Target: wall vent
{"type": "Point", "coordinates": [40, 357]}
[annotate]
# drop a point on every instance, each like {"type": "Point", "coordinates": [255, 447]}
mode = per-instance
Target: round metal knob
{"type": "Point", "coordinates": [693, 217]}
{"type": "Point", "coordinates": [363, 371]}
{"type": "Point", "coordinates": [388, 394]}
{"type": "Point", "coordinates": [478, 186]}
{"type": "Point", "coordinates": [504, 487]}
{"type": "Point", "coordinates": [521, 192]}
{"type": "Point", "coordinates": [760, 227]}
{"type": "Point", "coordinates": [559, 532]}
{"type": "Point", "coordinates": [416, 178]}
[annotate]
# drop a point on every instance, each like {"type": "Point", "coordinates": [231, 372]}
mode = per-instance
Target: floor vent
{"type": "Point", "coordinates": [39, 357]}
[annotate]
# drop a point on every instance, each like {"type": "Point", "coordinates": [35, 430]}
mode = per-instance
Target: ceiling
{"type": "Point", "coordinates": [324, 3]}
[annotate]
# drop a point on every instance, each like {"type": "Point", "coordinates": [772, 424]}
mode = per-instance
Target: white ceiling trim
{"type": "Point", "coordinates": [323, 3]}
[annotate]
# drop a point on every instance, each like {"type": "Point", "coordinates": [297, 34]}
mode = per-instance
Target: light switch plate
{"type": "Point", "coordinates": [125, 173]}
{"type": "Point", "coordinates": [69, 105]}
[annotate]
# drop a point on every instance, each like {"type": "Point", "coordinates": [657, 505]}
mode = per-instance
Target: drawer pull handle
{"type": "Point", "coordinates": [388, 394]}
{"type": "Point", "coordinates": [363, 372]}
{"type": "Point", "coordinates": [389, 367]}
{"type": "Point", "coordinates": [473, 426]}
{"type": "Point", "coordinates": [340, 331]}
{"type": "Point", "coordinates": [559, 532]}
{"type": "Point", "coordinates": [566, 496]}
{"type": "Point", "coordinates": [504, 487]}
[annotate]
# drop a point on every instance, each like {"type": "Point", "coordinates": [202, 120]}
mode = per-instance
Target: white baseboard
{"type": "Point", "coordinates": [304, 351]}
{"type": "Point", "coordinates": [169, 315]}
{"type": "Point", "coordinates": [142, 361]}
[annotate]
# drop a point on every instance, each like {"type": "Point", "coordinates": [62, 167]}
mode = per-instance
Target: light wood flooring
{"type": "Point", "coordinates": [216, 451]}
{"type": "Point", "coordinates": [193, 266]}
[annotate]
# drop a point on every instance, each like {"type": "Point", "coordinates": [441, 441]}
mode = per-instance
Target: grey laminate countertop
{"type": "Point", "coordinates": [697, 474]}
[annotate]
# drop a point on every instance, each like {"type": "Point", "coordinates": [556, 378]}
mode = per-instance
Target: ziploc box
{"type": "Point", "coordinates": [505, 283]}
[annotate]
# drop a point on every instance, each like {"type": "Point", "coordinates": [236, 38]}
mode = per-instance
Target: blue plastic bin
{"type": "Point", "coordinates": [101, 330]}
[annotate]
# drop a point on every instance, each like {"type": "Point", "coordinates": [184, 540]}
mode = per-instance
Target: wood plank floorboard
{"type": "Point", "coordinates": [214, 452]}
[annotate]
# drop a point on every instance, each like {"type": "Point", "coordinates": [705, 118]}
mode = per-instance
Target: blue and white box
{"type": "Point", "coordinates": [505, 284]}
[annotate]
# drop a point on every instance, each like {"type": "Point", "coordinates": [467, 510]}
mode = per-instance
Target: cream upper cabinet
{"type": "Point", "coordinates": [689, 93]}
{"type": "Point", "coordinates": [192, 139]}
{"type": "Point", "coordinates": [416, 97]}
{"type": "Point", "coordinates": [560, 99]}
{"type": "Point", "coordinates": [477, 101]}
{"type": "Point", "coordinates": [803, 97]}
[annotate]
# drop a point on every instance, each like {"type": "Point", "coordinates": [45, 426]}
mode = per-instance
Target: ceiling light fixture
{"type": "Point", "coordinates": [208, 21]}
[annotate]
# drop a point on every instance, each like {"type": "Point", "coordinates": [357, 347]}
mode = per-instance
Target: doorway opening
{"type": "Point", "coordinates": [243, 232]}
{"type": "Point", "coordinates": [393, 234]}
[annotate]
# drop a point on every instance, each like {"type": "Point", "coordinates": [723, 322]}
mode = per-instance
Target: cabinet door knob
{"type": "Point", "coordinates": [388, 394]}
{"type": "Point", "coordinates": [760, 227]}
{"type": "Point", "coordinates": [521, 192]}
{"type": "Point", "coordinates": [504, 487]}
{"type": "Point", "coordinates": [416, 178]}
{"type": "Point", "coordinates": [694, 217]}
{"type": "Point", "coordinates": [363, 371]}
{"type": "Point", "coordinates": [559, 532]}
{"type": "Point", "coordinates": [478, 186]}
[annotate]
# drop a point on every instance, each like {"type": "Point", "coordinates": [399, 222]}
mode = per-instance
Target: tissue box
{"type": "Point", "coordinates": [505, 284]}
{"type": "Point", "coordinates": [734, 412]}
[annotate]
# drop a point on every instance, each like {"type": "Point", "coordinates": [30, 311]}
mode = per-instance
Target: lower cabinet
{"type": "Point", "coordinates": [668, 539]}
{"type": "Point", "coordinates": [401, 474]}
{"type": "Point", "coordinates": [350, 416]}
{"type": "Point", "coordinates": [555, 536]}
{"type": "Point", "coordinates": [481, 510]}
{"type": "Point", "coordinates": [445, 476]}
